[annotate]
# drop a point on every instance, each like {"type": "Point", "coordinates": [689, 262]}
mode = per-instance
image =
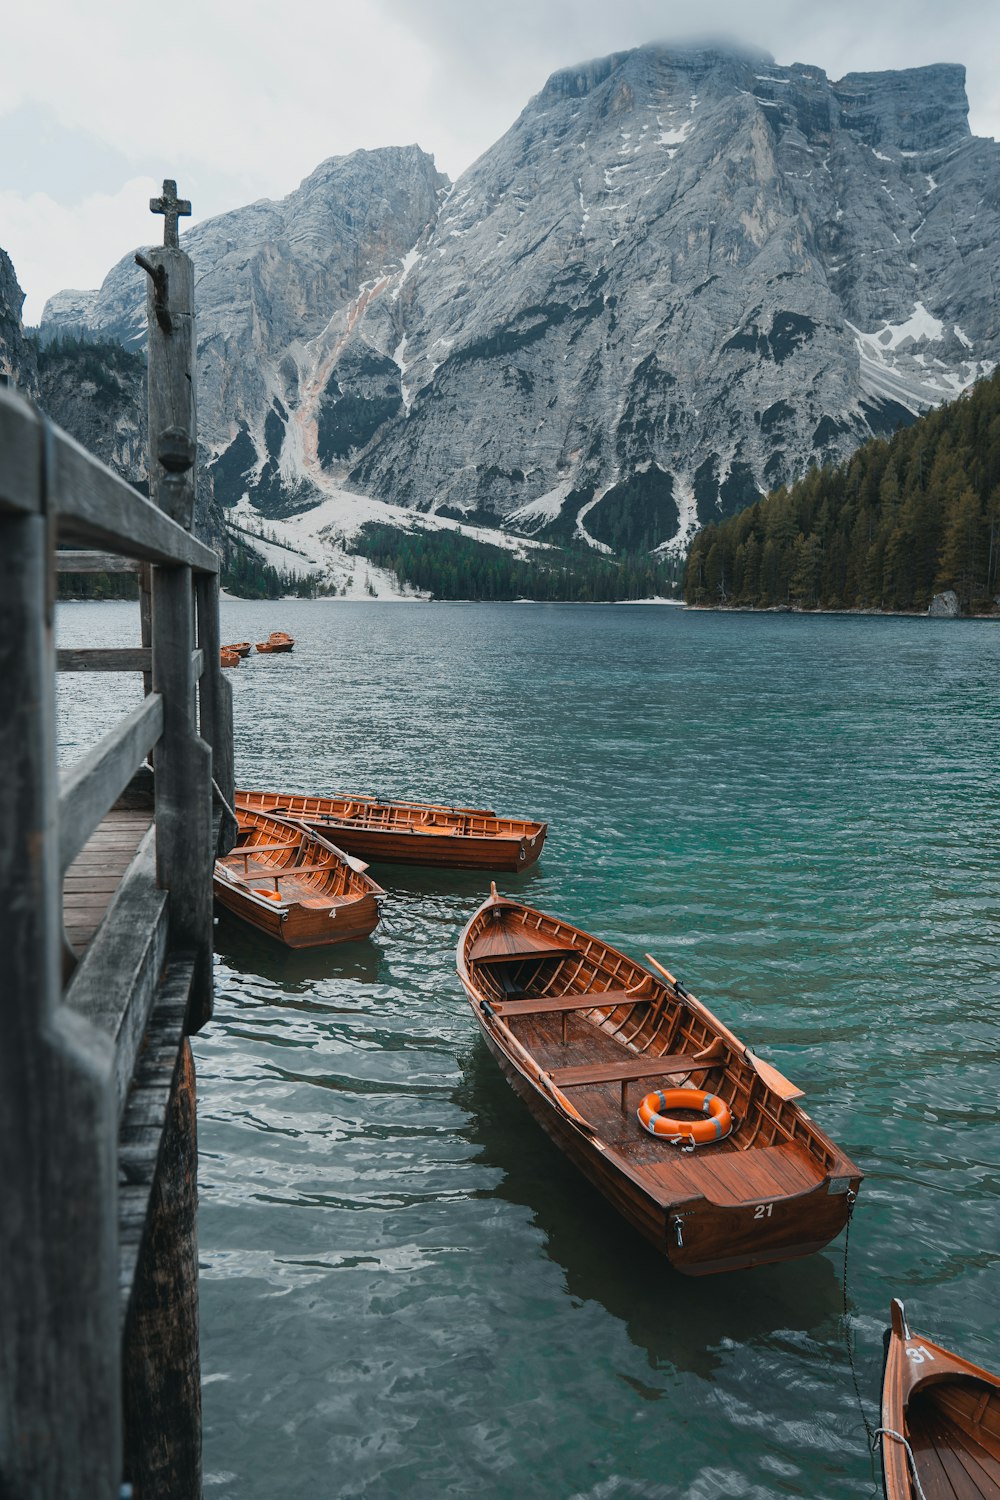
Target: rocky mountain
{"type": "Point", "coordinates": [276, 287]}
{"type": "Point", "coordinates": [681, 277]}
{"type": "Point", "coordinates": [96, 391]}
{"type": "Point", "coordinates": [18, 364]}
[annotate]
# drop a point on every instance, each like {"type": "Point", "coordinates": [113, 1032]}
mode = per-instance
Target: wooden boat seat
{"type": "Point", "coordinates": [245, 850]}
{"type": "Point", "coordinates": [499, 943]}
{"type": "Point", "coordinates": [563, 1005]}
{"type": "Point", "coordinates": [642, 1068]}
{"type": "Point", "coordinates": [545, 1007]}
{"type": "Point", "coordinates": [281, 874]}
{"type": "Point", "coordinates": [519, 955]}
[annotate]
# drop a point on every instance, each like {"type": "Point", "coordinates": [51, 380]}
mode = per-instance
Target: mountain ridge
{"type": "Point", "coordinates": [682, 276]}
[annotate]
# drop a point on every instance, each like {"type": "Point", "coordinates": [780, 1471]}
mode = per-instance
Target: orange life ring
{"type": "Point", "coordinates": [688, 1132]}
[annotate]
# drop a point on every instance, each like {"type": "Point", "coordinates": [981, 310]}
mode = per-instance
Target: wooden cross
{"type": "Point", "coordinates": [172, 209]}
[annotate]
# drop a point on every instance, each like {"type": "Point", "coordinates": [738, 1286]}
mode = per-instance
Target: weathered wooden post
{"type": "Point", "coordinates": [183, 759]}
{"type": "Point", "coordinates": [160, 1358]}
{"type": "Point", "coordinates": [58, 1229]}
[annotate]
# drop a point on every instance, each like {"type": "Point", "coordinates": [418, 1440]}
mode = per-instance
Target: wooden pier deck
{"type": "Point", "coordinates": [96, 873]}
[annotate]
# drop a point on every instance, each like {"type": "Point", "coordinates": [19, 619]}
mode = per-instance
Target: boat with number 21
{"type": "Point", "coordinates": [698, 1143]}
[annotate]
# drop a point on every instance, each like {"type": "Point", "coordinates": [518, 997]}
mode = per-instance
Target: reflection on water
{"type": "Point", "coordinates": [247, 951]}
{"type": "Point", "coordinates": [680, 1321]}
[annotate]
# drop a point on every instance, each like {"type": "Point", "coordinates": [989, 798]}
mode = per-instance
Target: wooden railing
{"type": "Point", "coordinates": [98, 1270]}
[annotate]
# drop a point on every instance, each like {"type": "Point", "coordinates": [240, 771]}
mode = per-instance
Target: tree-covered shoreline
{"type": "Point", "coordinates": [884, 532]}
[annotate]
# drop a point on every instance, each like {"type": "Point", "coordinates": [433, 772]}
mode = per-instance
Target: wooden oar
{"type": "Point", "coordinates": [768, 1074]}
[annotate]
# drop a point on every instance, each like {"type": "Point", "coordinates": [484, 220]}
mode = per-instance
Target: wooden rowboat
{"type": "Point", "coordinates": [411, 833]}
{"type": "Point", "coordinates": [229, 658]}
{"type": "Point", "coordinates": [242, 648]}
{"type": "Point", "coordinates": [940, 1428]}
{"type": "Point", "coordinates": [581, 1032]}
{"type": "Point", "coordinates": [294, 885]}
{"type": "Point", "coordinates": [276, 641]}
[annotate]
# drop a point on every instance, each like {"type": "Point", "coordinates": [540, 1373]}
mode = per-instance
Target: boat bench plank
{"type": "Point", "coordinates": [521, 955]}
{"type": "Point", "coordinates": [286, 870]}
{"type": "Point", "coordinates": [250, 849]}
{"type": "Point", "coordinates": [597, 999]}
{"type": "Point", "coordinates": [630, 1072]}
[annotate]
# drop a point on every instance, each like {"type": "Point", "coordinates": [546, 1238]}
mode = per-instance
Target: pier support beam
{"type": "Point", "coordinates": [161, 1373]}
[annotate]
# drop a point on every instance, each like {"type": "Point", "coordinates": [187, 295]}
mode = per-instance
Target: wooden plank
{"type": "Point", "coordinates": [59, 1370]}
{"type": "Point", "coordinates": [21, 469]}
{"type": "Point", "coordinates": [183, 786]}
{"type": "Point", "coordinates": [95, 508]}
{"type": "Point", "coordinates": [76, 561]}
{"type": "Point", "coordinates": [98, 659]}
{"type": "Point", "coordinates": [88, 789]}
{"type": "Point", "coordinates": [115, 982]}
{"type": "Point", "coordinates": [215, 703]}
{"type": "Point", "coordinates": [596, 1000]}
{"type": "Point", "coordinates": [627, 1072]}
{"type": "Point", "coordinates": [159, 1263]}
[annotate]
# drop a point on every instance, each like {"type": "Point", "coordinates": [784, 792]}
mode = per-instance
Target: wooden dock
{"type": "Point", "coordinates": [106, 936]}
{"type": "Point", "coordinates": [97, 872]}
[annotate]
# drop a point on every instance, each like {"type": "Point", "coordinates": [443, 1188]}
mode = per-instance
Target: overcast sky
{"type": "Point", "coordinates": [240, 99]}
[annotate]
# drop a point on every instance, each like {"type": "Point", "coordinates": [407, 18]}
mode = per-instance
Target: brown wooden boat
{"type": "Point", "coordinates": [412, 833]}
{"type": "Point", "coordinates": [276, 641]}
{"type": "Point", "coordinates": [294, 885]}
{"type": "Point", "coordinates": [581, 1032]}
{"type": "Point", "coordinates": [940, 1428]}
{"type": "Point", "coordinates": [242, 648]}
{"type": "Point", "coordinates": [229, 658]}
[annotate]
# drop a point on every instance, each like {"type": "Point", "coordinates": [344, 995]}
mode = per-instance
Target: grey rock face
{"type": "Point", "coordinates": [945, 606]}
{"type": "Point", "coordinates": [682, 276]}
{"type": "Point", "coordinates": [271, 279]}
{"type": "Point", "coordinates": [98, 394]}
{"type": "Point", "coordinates": [17, 356]}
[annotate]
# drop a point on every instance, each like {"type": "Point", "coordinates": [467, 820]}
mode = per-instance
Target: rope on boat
{"type": "Point", "coordinates": [218, 792]}
{"type": "Point", "coordinates": [917, 1486]}
{"type": "Point", "coordinates": [852, 1198]}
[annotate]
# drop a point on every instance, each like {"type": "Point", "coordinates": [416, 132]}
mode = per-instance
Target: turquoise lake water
{"type": "Point", "coordinates": [405, 1290]}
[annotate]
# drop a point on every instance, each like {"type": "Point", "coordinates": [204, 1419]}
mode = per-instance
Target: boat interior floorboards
{"type": "Point", "coordinates": [725, 1170]}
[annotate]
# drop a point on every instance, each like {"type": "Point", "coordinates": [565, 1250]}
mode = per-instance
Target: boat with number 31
{"type": "Point", "coordinates": [940, 1431]}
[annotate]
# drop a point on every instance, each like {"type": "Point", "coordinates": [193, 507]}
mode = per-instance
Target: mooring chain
{"type": "Point", "coordinates": [852, 1198]}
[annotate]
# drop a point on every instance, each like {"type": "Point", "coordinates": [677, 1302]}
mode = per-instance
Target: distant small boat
{"type": "Point", "coordinates": [940, 1430]}
{"type": "Point", "coordinates": [229, 658]}
{"type": "Point", "coordinates": [716, 1165]}
{"type": "Point", "coordinates": [242, 648]}
{"type": "Point", "coordinates": [276, 641]}
{"type": "Point", "coordinates": [295, 886]}
{"type": "Point", "coordinates": [411, 833]}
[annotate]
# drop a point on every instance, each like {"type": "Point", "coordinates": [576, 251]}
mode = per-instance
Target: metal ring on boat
{"type": "Point", "coordinates": [686, 1132]}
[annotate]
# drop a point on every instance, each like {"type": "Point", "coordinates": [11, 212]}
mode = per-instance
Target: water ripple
{"type": "Point", "coordinates": [404, 1288]}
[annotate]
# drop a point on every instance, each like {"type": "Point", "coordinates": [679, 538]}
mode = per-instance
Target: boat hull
{"type": "Point", "coordinates": [294, 885]}
{"type": "Point", "coordinates": [299, 926]}
{"type": "Point", "coordinates": [446, 838]}
{"type": "Point", "coordinates": [947, 1410]}
{"type": "Point", "coordinates": [581, 1033]}
{"type": "Point", "coordinates": [713, 1238]}
{"type": "Point", "coordinates": [447, 851]}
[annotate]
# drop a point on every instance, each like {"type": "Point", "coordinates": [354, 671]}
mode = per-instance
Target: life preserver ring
{"type": "Point", "coordinates": [715, 1127]}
